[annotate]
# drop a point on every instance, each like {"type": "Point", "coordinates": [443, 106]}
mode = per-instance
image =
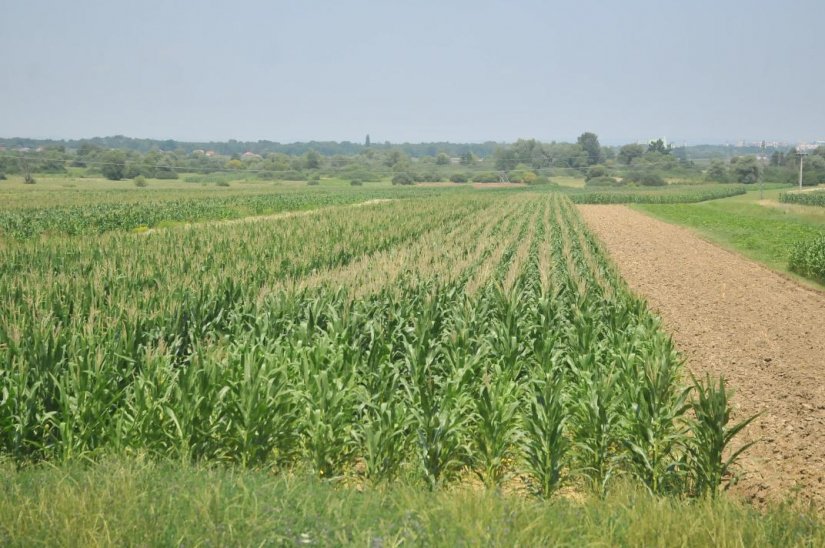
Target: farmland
{"type": "Point", "coordinates": [363, 348]}
{"type": "Point", "coordinates": [421, 338]}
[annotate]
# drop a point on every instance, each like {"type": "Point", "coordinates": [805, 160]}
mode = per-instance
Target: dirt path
{"type": "Point", "coordinates": [730, 316]}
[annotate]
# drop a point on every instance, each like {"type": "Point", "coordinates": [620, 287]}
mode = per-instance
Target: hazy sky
{"type": "Point", "coordinates": [697, 70]}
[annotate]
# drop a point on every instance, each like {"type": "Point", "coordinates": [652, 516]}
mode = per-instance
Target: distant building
{"type": "Point", "coordinates": [210, 153]}
{"type": "Point", "coordinates": [250, 155]}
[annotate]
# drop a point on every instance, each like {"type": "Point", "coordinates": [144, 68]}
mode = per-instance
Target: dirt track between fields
{"type": "Point", "coordinates": [730, 316]}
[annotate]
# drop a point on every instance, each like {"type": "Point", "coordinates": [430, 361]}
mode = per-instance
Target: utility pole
{"type": "Point", "coordinates": [762, 176]}
{"type": "Point", "coordinates": [801, 162]}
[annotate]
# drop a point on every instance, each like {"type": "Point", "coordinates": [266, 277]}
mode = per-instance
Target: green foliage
{"type": "Point", "coordinates": [807, 258]}
{"type": "Point", "coordinates": [596, 171]}
{"type": "Point", "coordinates": [602, 181]}
{"type": "Point", "coordinates": [589, 142]}
{"type": "Point", "coordinates": [486, 177]}
{"type": "Point", "coordinates": [214, 358]}
{"type": "Point", "coordinates": [403, 179]}
{"type": "Point", "coordinates": [645, 178]}
{"type": "Point", "coordinates": [114, 165]}
{"type": "Point", "coordinates": [147, 504]}
{"type": "Point", "coordinates": [629, 153]}
{"type": "Point", "coordinates": [710, 460]}
{"type": "Point", "coordinates": [811, 198]}
{"type": "Point", "coordinates": [458, 178]}
{"type": "Point", "coordinates": [673, 194]}
{"type": "Point", "coordinates": [744, 169]}
{"type": "Point", "coordinates": [140, 181]}
{"type": "Point", "coordinates": [717, 172]}
{"type": "Point", "coordinates": [658, 146]}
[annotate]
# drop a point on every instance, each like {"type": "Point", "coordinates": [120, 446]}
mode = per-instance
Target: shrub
{"type": "Point", "coordinates": [29, 179]}
{"type": "Point", "coordinates": [544, 180]}
{"type": "Point", "coordinates": [2, 176]}
{"type": "Point", "coordinates": [644, 178]}
{"type": "Point", "coordinates": [166, 173]}
{"type": "Point", "coordinates": [486, 177]}
{"type": "Point", "coordinates": [402, 179]}
{"type": "Point", "coordinates": [458, 178]}
{"type": "Point", "coordinates": [596, 172]}
{"type": "Point", "coordinates": [313, 182]}
{"type": "Point", "coordinates": [140, 181]}
{"type": "Point", "coordinates": [222, 183]}
{"type": "Point", "coordinates": [356, 182]}
{"type": "Point", "coordinates": [429, 177]}
{"type": "Point", "coordinates": [602, 181]}
{"type": "Point", "coordinates": [292, 176]}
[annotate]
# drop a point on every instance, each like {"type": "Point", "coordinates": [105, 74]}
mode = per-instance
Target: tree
{"type": "Point", "coordinates": [745, 169]}
{"type": "Point", "coordinates": [717, 172]}
{"type": "Point", "coordinates": [658, 146]}
{"type": "Point", "coordinates": [367, 140]}
{"type": "Point", "coordinates": [442, 159]}
{"type": "Point", "coordinates": [628, 153]}
{"type": "Point", "coordinates": [468, 158]}
{"type": "Point", "coordinates": [402, 179]}
{"type": "Point", "coordinates": [312, 159]}
{"type": "Point", "coordinates": [505, 158]}
{"type": "Point", "coordinates": [590, 143]}
{"type": "Point", "coordinates": [114, 165]}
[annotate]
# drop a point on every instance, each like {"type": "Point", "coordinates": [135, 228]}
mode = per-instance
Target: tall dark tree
{"type": "Point", "coordinates": [114, 165]}
{"type": "Point", "coordinates": [590, 143]}
{"type": "Point", "coordinates": [628, 153]}
{"type": "Point", "coordinates": [367, 140]}
{"type": "Point", "coordinates": [658, 146]}
{"type": "Point", "coordinates": [312, 159]}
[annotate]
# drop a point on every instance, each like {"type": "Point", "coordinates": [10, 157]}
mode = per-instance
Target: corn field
{"type": "Point", "coordinates": [809, 197]}
{"type": "Point", "coordinates": [444, 339]}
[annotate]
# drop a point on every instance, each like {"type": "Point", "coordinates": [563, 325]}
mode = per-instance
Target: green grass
{"type": "Point", "coordinates": [761, 230]}
{"type": "Point", "coordinates": [136, 502]}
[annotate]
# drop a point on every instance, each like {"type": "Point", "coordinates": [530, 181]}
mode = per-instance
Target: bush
{"type": "Point", "coordinates": [402, 179]}
{"type": "Point", "coordinates": [596, 172]}
{"type": "Point", "coordinates": [356, 182]}
{"type": "Point", "coordinates": [165, 173]}
{"type": "Point", "coordinates": [114, 165]}
{"type": "Point", "coordinates": [644, 178]}
{"type": "Point", "coordinates": [486, 177]}
{"type": "Point", "coordinates": [458, 178]}
{"type": "Point", "coordinates": [29, 179]}
{"type": "Point", "coordinates": [222, 183]}
{"type": "Point", "coordinates": [429, 177]}
{"type": "Point", "coordinates": [292, 176]}
{"type": "Point", "coordinates": [544, 180]}
{"type": "Point", "coordinates": [717, 172]}
{"type": "Point", "coordinates": [313, 182]}
{"type": "Point", "coordinates": [602, 181]}
{"type": "Point", "coordinates": [140, 181]}
{"type": "Point", "coordinates": [2, 176]}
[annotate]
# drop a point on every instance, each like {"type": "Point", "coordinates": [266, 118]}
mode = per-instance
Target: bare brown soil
{"type": "Point", "coordinates": [730, 316]}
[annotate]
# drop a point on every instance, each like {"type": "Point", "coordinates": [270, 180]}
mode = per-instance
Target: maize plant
{"type": "Point", "coordinates": [440, 336]}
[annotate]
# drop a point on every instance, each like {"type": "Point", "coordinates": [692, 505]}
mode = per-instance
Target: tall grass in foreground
{"type": "Point", "coordinates": [137, 502]}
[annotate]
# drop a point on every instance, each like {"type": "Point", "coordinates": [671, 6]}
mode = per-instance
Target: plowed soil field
{"type": "Point", "coordinates": [730, 316]}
